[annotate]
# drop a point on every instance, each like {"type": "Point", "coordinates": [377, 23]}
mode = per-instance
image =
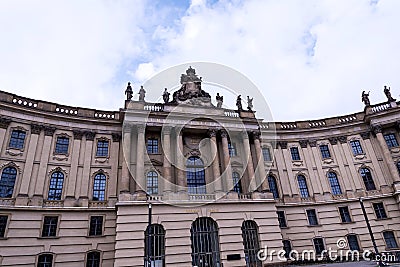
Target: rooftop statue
{"type": "Point", "coordinates": [166, 95]}
{"type": "Point", "coordinates": [129, 92]}
{"type": "Point", "coordinates": [249, 103]}
{"type": "Point", "coordinates": [220, 100]}
{"type": "Point", "coordinates": [142, 94]}
{"type": "Point", "coordinates": [365, 98]}
{"type": "Point", "coordinates": [239, 103]}
{"type": "Point", "coordinates": [386, 90]}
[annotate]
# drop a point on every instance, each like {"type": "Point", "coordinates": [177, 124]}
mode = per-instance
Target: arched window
{"type": "Point", "coordinates": [251, 243]}
{"type": "Point", "coordinates": [154, 246]}
{"type": "Point", "coordinates": [195, 176]}
{"type": "Point", "coordinates": [273, 186]}
{"type": "Point", "coordinates": [45, 260]}
{"type": "Point", "coordinates": [99, 187]}
{"type": "Point", "coordinates": [334, 182]}
{"type": "Point", "coordinates": [205, 243]}
{"type": "Point", "coordinates": [367, 178]}
{"type": "Point", "coordinates": [56, 186]}
{"type": "Point", "coordinates": [303, 186]}
{"type": "Point", "coordinates": [7, 182]}
{"type": "Point", "coordinates": [237, 185]}
{"type": "Point", "coordinates": [152, 183]}
{"type": "Point", "coordinates": [93, 259]}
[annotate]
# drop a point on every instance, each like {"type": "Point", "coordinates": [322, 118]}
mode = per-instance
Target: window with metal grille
{"type": "Point", "coordinates": [325, 151]}
{"type": "Point", "coordinates": [50, 226]}
{"type": "Point", "coordinates": [391, 140]}
{"type": "Point", "coordinates": [251, 243]}
{"type": "Point", "coordinates": [3, 225]}
{"type": "Point", "coordinates": [195, 176]}
{"type": "Point", "coordinates": [62, 145]}
{"type": "Point", "coordinates": [318, 245]}
{"type": "Point", "coordinates": [345, 214]}
{"type": "Point", "coordinates": [379, 210]}
{"type": "Point", "coordinates": [390, 239]}
{"type": "Point", "coordinates": [287, 247]}
{"type": "Point", "coordinates": [303, 186]}
{"type": "Point", "coordinates": [273, 186]}
{"type": "Point", "coordinates": [312, 217]}
{"type": "Point", "coordinates": [154, 246]}
{"type": "Point", "coordinates": [352, 240]}
{"type": "Point", "coordinates": [232, 149]}
{"type": "Point", "coordinates": [152, 183]}
{"type": "Point", "coordinates": [237, 185]}
{"type": "Point", "coordinates": [96, 225]}
{"type": "Point", "coordinates": [334, 182]}
{"type": "Point", "coordinates": [102, 148]}
{"type": "Point", "coordinates": [152, 146]}
{"type": "Point", "coordinates": [56, 186]}
{"type": "Point", "coordinates": [205, 243]}
{"type": "Point", "coordinates": [281, 218]}
{"type": "Point", "coordinates": [7, 182]}
{"type": "Point", "coordinates": [266, 154]}
{"type": "Point", "coordinates": [93, 259]}
{"type": "Point", "coordinates": [99, 187]}
{"type": "Point", "coordinates": [17, 139]}
{"type": "Point", "coordinates": [356, 147]}
{"type": "Point", "coordinates": [367, 179]}
{"type": "Point", "coordinates": [45, 260]}
{"type": "Point", "coordinates": [294, 151]}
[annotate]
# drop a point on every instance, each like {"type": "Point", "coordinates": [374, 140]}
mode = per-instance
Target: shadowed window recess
{"type": "Point", "coordinates": [195, 176]}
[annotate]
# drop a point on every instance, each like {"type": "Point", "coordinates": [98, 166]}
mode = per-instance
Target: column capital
{"type": "Point", "coordinates": [282, 144]}
{"type": "Point", "coordinates": [244, 134]}
{"type": "Point", "coordinates": [4, 122]}
{"type": "Point", "coordinates": [333, 140]}
{"type": "Point", "coordinates": [303, 143]}
{"type": "Point", "coordinates": [166, 130]}
{"type": "Point", "coordinates": [116, 137]}
{"type": "Point", "coordinates": [342, 139]}
{"type": "Point", "coordinates": [212, 132]}
{"type": "Point", "coordinates": [365, 135]}
{"type": "Point", "coordinates": [78, 134]}
{"type": "Point", "coordinates": [36, 128]}
{"type": "Point", "coordinates": [141, 128]}
{"type": "Point", "coordinates": [376, 129]}
{"type": "Point", "coordinates": [90, 135]}
{"type": "Point", "coordinates": [256, 135]}
{"type": "Point", "coordinates": [312, 142]}
{"type": "Point", "coordinates": [224, 134]}
{"type": "Point", "coordinates": [49, 130]}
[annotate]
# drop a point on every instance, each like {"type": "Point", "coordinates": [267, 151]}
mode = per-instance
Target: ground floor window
{"type": "Point", "coordinates": [154, 247]}
{"type": "Point", "coordinates": [251, 243]}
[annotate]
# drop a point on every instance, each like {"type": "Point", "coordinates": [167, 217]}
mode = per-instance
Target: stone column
{"type": "Point", "coordinates": [73, 175]}
{"type": "Point", "coordinates": [166, 145]}
{"type": "Point", "coordinates": [126, 159]}
{"type": "Point", "coordinates": [85, 182]}
{"type": "Point", "coordinates": [386, 153]}
{"type": "Point", "coordinates": [217, 181]}
{"type": "Point", "coordinates": [114, 148]}
{"type": "Point", "coordinates": [140, 152]}
{"type": "Point", "coordinates": [4, 122]}
{"type": "Point", "coordinates": [260, 163]}
{"type": "Point", "coordinates": [228, 169]}
{"type": "Point", "coordinates": [250, 167]}
{"type": "Point", "coordinates": [180, 164]}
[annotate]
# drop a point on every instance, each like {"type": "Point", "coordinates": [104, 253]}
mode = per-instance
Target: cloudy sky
{"type": "Point", "coordinates": [310, 59]}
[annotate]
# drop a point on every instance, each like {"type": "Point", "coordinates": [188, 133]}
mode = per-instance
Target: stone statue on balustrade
{"type": "Point", "coordinates": [239, 103]}
{"type": "Point", "coordinates": [220, 100]}
{"type": "Point", "coordinates": [386, 90]}
{"type": "Point", "coordinates": [249, 103]}
{"type": "Point", "coordinates": [165, 95]}
{"type": "Point", "coordinates": [129, 92]}
{"type": "Point", "coordinates": [365, 98]}
{"type": "Point", "coordinates": [142, 94]}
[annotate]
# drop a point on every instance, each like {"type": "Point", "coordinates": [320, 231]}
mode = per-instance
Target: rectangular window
{"type": "Point", "coordinates": [232, 149]}
{"type": "Point", "coordinates": [345, 214]}
{"type": "Point", "coordinates": [45, 260]}
{"type": "Point", "coordinates": [295, 153]}
{"type": "Point", "coordinates": [50, 226]}
{"type": "Point", "coordinates": [17, 139]}
{"type": "Point", "coordinates": [325, 151]}
{"type": "Point", "coordinates": [319, 245]}
{"type": "Point", "coordinates": [281, 219]}
{"type": "Point", "coordinates": [312, 217]}
{"type": "Point", "coordinates": [266, 154]}
{"type": "Point", "coordinates": [62, 144]}
{"type": "Point", "coordinates": [287, 247]}
{"type": "Point", "coordinates": [3, 225]}
{"type": "Point", "coordinates": [379, 210]}
{"type": "Point", "coordinates": [391, 140]}
{"type": "Point", "coordinates": [152, 146]}
{"type": "Point", "coordinates": [390, 239]}
{"type": "Point", "coordinates": [102, 148]}
{"type": "Point", "coordinates": [356, 147]}
{"type": "Point", "coordinates": [96, 225]}
{"type": "Point", "coordinates": [353, 242]}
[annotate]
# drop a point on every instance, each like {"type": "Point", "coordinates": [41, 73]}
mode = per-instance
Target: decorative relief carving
{"type": "Point", "coordinates": [297, 163]}
{"type": "Point", "coordinates": [14, 152]}
{"type": "Point", "coordinates": [376, 129]}
{"type": "Point", "coordinates": [90, 135]}
{"type": "Point", "coordinates": [303, 143]}
{"type": "Point", "coordinates": [212, 132]}
{"type": "Point", "coordinates": [61, 157]}
{"type": "Point", "coordinates": [116, 137]}
{"type": "Point", "coordinates": [101, 160]}
{"type": "Point", "coordinates": [313, 143]}
{"type": "Point", "coordinates": [4, 122]}
{"type": "Point", "coordinates": [224, 133]}
{"type": "Point", "coordinates": [342, 139]}
{"type": "Point", "coordinates": [78, 134]}
{"type": "Point", "coordinates": [49, 130]}
{"type": "Point", "coordinates": [11, 164]}
{"type": "Point", "coordinates": [365, 135]}
{"type": "Point", "coordinates": [36, 128]}
{"type": "Point", "coordinates": [333, 140]}
{"type": "Point", "coordinates": [282, 144]}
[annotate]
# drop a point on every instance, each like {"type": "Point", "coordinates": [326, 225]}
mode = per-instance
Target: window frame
{"type": "Point", "coordinates": [237, 185]}
{"type": "Point", "coordinates": [325, 154]}
{"type": "Point", "coordinates": [302, 190]}
{"type": "Point", "coordinates": [63, 145]}
{"type": "Point", "coordinates": [7, 223]}
{"type": "Point", "coordinates": [315, 247]}
{"type": "Point", "coordinates": [316, 217]}
{"type": "Point", "coordinates": [295, 153]}
{"type": "Point", "coordinates": [153, 185]}
{"type": "Point", "coordinates": [53, 256]}
{"type": "Point", "coordinates": [159, 237]}
{"type": "Point", "coordinates": [287, 254]}
{"type": "Point", "coordinates": [272, 178]}
{"type": "Point", "coordinates": [42, 228]}
{"type": "Point", "coordinates": [56, 189]}
{"type": "Point", "coordinates": [21, 130]}
{"type": "Point", "coordinates": [266, 151]}
{"type": "Point", "coordinates": [357, 239]}
{"type": "Point", "coordinates": [198, 176]}
{"type": "Point", "coordinates": [101, 172]}
{"type": "Point", "coordinates": [356, 147]}
{"type": "Point", "coordinates": [250, 251]}
{"type": "Point", "coordinates": [232, 149]}
{"type": "Point", "coordinates": [374, 204]}
{"type": "Point", "coordinates": [282, 219]}
{"type": "Point", "coordinates": [94, 251]}
{"type": "Point", "coordinates": [104, 140]}
{"type": "Point", "coordinates": [10, 166]}
{"type": "Point", "coordinates": [395, 239]}
{"type": "Point", "coordinates": [155, 148]}
{"type": "Point", "coordinates": [342, 217]}
{"type": "Point", "coordinates": [102, 225]}
{"type": "Point", "coordinates": [366, 182]}
{"type": "Point", "coordinates": [336, 189]}
{"type": "Point", "coordinates": [391, 140]}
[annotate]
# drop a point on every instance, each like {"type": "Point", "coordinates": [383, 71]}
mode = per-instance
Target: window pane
{"type": "Point", "coordinates": [99, 187]}
{"type": "Point", "coordinates": [49, 226]}
{"type": "Point", "coordinates": [62, 145]}
{"type": "Point", "coordinates": [287, 247]}
{"type": "Point", "coordinates": [319, 245]}
{"type": "Point", "coordinates": [232, 149]}
{"type": "Point", "coordinates": [353, 242]}
{"type": "Point", "coordinates": [93, 259]}
{"type": "Point", "coordinates": [237, 186]}
{"type": "Point", "coordinates": [356, 147]}
{"type": "Point", "coordinates": [312, 217]}
{"type": "Point", "coordinates": [379, 210]}
{"type": "Point", "coordinates": [333, 181]}
{"type": "Point", "coordinates": [266, 154]}
{"type": "Point", "coordinates": [7, 182]}
{"type": "Point", "coordinates": [251, 243]}
{"type": "Point", "coordinates": [17, 139]}
{"type": "Point", "coordinates": [152, 183]}
{"type": "Point", "coordinates": [152, 146]}
{"type": "Point", "coordinates": [195, 176]}
{"type": "Point", "coordinates": [281, 219]}
{"type": "Point", "coordinates": [390, 239]}
{"type": "Point", "coordinates": [295, 153]}
{"type": "Point", "coordinates": [56, 186]}
{"type": "Point", "coordinates": [45, 260]}
{"type": "Point", "coordinates": [102, 148]}
{"type": "Point", "coordinates": [345, 214]}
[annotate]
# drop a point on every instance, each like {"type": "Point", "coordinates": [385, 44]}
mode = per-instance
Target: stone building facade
{"type": "Point", "coordinates": [76, 183]}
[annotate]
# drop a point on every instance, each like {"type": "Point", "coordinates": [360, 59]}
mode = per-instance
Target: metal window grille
{"type": "Point", "coordinates": [152, 183]}
{"type": "Point", "coordinates": [379, 210]}
{"type": "Point", "coordinates": [303, 186]}
{"type": "Point", "coordinates": [49, 226]}
{"type": "Point", "coordinates": [152, 146]}
{"type": "Point", "coordinates": [334, 182]}
{"type": "Point", "coordinates": [367, 178]}
{"type": "Point", "coordinates": [7, 182]}
{"type": "Point", "coordinates": [312, 217]}
{"type": "Point", "coordinates": [232, 149]}
{"type": "Point", "coordinates": [266, 154]}
{"type": "Point", "coordinates": [325, 151]}
{"type": "Point", "coordinates": [3, 225]}
{"type": "Point", "coordinates": [287, 247]}
{"type": "Point", "coordinates": [93, 259]}
{"type": "Point", "coordinates": [391, 140]}
{"type": "Point", "coordinates": [56, 186]}
{"type": "Point", "coordinates": [390, 239]}
{"type": "Point", "coordinates": [353, 242]}
{"type": "Point", "coordinates": [102, 148]}
{"type": "Point", "coordinates": [62, 145]}
{"type": "Point", "coordinates": [195, 176]}
{"type": "Point", "coordinates": [344, 214]}
{"type": "Point", "coordinates": [205, 243]}
{"type": "Point", "coordinates": [273, 186]}
{"type": "Point", "coordinates": [154, 246]}
{"type": "Point", "coordinates": [356, 147]}
{"type": "Point", "coordinates": [96, 225]}
{"type": "Point", "coordinates": [17, 139]}
{"type": "Point", "coordinates": [251, 243]}
{"type": "Point", "coordinates": [281, 218]}
{"type": "Point", "coordinates": [237, 185]}
{"type": "Point", "coordinates": [295, 153]}
{"type": "Point", "coordinates": [45, 260]}
{"type": "Point", "coordinates": [319, 245]}
{"type": "Point", "coordinates": [99, 187]}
